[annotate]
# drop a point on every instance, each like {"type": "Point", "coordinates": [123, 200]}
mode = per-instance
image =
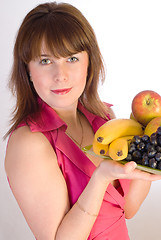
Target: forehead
{"type": "Point", "coordinates": [57, 49]}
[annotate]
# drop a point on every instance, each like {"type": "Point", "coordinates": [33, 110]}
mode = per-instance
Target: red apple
{"type": "Point", "coordinates": [146, 105]}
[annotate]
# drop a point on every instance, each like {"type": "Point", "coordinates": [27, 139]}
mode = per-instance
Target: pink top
{"type": "Point", "coordinates": [77, 170]}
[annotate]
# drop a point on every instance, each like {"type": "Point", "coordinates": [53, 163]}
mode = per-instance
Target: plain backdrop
{"type": "Point", "coordinates": [129, 36]}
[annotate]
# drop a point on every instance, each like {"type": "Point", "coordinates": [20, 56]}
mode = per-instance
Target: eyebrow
{"type": "Point", "coordinates": [45, 55]}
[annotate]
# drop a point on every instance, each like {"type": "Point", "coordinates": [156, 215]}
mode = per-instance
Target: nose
{"type": "Point", "coordinates": [60, 72]}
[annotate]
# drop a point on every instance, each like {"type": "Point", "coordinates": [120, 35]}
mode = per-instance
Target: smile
{"type": "Point", "coordinates": [61, 91]}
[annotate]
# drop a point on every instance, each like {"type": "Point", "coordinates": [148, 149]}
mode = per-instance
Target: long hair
{"type": "Point", "coordinates": [65, 32]}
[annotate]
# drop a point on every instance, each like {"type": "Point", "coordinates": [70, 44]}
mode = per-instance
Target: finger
{"type": "Point", "coordinates": [129, 167]}
{"type": "Point", "coordinates": [142, 175]}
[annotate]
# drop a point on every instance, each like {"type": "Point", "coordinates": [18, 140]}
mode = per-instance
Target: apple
{"type": "Point", "coordinates": [152, 126]}
{"type": "Point", "coordinates": [146, 105]}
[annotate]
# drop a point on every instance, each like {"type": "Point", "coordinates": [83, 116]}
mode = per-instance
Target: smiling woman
{"type": "Point", "coordinates": [62, 192]}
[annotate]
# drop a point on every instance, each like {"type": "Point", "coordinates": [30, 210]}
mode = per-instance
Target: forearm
{"type": "Point", "coordinates": [138, 191]}
{"type": "Point", "coordinates": [78, 222]}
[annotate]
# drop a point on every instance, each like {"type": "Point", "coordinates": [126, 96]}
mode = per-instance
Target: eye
{"type": "Point", "coordinates": [72, 59]}
{"type": "Point", "coordinates": [45, 61]}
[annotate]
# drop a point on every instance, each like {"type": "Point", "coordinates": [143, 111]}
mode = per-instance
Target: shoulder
{"type": "Point", "coordinates": [25, 146]}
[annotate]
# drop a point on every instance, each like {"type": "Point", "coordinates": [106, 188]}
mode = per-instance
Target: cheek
{"type": "Point", "coordinates": [38, 82]}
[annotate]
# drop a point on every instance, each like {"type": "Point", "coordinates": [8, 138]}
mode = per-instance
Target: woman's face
{"type": "Point", "coordinates": [59, 81]}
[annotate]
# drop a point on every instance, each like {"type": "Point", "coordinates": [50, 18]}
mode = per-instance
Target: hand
{"type": "Point", "coordinates": [112, 170]}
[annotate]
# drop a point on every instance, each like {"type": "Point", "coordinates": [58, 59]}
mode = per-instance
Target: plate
{"type": "Point", "coordinates": [87, 149]}
{"type": "Point", "coordinates": [145, 168]}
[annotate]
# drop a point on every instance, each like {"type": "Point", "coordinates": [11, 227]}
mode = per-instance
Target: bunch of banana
{"type": "Point", "coordinates": [112, 138]}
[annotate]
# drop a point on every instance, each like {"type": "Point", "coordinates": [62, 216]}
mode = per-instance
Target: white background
{"type": "Point", "coordinates": [129, 36]}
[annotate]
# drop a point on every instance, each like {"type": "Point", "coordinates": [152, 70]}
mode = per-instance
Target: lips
{"type": "Point", "coordinates": [61, 91]}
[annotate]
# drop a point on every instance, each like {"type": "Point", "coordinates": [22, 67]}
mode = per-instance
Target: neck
{"type": "Point", "coordinates": [76, 133]}
{"type": "Point", "coordinates": [69, 115]}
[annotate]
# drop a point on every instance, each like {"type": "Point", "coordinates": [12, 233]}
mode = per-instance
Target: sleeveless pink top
{"type": "Point", "coordinates": [77, 170]}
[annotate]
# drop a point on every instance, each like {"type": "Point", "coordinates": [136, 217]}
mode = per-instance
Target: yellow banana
{"type": "Point", "coordinates": [116, 128]}
{"type": "Point", "coordinates": [118, 149]}
{"type": "Point", "coordinates": [99, 148]}
{"type": "Point", "coordinates": [152, 126]}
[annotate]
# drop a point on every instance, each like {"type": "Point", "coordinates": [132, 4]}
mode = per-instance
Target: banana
{"type": "Point", "coordinates": [116, 128]}
{"type": "Point", "coordinates": [152, 126]}
{"type": "Point", "coordinates": [118, 149]}
{"type": "Point", "coordinates": [99, 148]}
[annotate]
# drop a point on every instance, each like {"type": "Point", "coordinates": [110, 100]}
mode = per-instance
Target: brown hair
{"type": "Point", "coordinates": [65, 32]}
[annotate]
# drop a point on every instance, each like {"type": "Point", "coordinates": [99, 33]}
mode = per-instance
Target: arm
{"type": "Point", "coordinates": [138, 191]}
{"type": "Point", "coordinates": [40, 190]}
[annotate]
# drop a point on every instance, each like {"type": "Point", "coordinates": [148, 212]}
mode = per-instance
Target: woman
{"type": "Point", "coordinates": [63, 193]}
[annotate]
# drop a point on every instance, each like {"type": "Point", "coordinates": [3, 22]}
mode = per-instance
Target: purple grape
{"type": "Point", "coordinates": [136, 139]}
{"type": "Point", "coordinates": [158, 156]}
{"type": "Point", "coordinates": [152, 163]}
{"type": "Point", "coordinates": [153, 139]}
{"type": "Point", "coordinates": [159, 130]}
{"type": "Point", "coordinates": [145, 138]}
{"type": "Point", "coordinates": [145, 160]}
{"type": "Point", "coordinates": [141, 146]}
{"type": "Point", "coordinates": [159, 140]}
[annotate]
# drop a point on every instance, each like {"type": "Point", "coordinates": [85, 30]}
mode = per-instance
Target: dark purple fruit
{"type": "Point", "coordinates": [141, 146]}
{"type": "Point", "coordinates": [153, 139]}
{"type": "Point", "coordinates": [158, 156]}
{"type": "Point", "coordinates": [129, 157]}
{"type": "Point", "coordinates": [151, 153]}
{"type": "Point", "coordinates": [136, 139]}
{"type": "Point", "coordinates": [145, 138]}
{"type": "Point", "coordinates": [152, 163]}
{"type": "Point", "coordinates": [136, 155]}
{"type": "Point", "coordinates": [158, 148]}
{"type": "Point", "coordinates": [159, 165]}
{"type": "Point", "coordinates": [145, 160]}
{"type": "Point", "coordinates": [132, 147]}
{"type": "Point", "coordinates": [159, 131]}
{"type": "Point", "coordinates": [159, 140]}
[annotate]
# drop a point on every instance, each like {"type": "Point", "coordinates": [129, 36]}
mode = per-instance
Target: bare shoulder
{"type": "Point", "coordinates": [25, 144]}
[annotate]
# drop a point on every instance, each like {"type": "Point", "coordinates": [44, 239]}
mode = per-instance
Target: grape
{"type": "Point", "coordinates": [159, 165]}
{"type": "Point", "coordinates": [153, 139]}
{"type": "Point", "coordinates": [151, 153]}
{"type": "Point", "coordinates": [136, 155]}
{"type": "Point", "coordinates": [132, 147]}
{"type": "Point", "coordinates": [136, 139]}
{"type": "Point", "coordinates": [158, 156]}
{"type": "Point", "coordinates": [159, 130]}
{"type": "Point", "coordinates": [147, 145]}
{"type": "Point", "coordinates": [141, 146]}
{"type": "Point", "coordinates": [159, 140]}
{"type": "Point", "coordinates": [145, 160]}
{"type": "Point", "coordinates": [129, 157]}
{"type": "Point", "coordinates": [145, 138]}
{"type": "Point", "coordinates": [150, 147]}
{"type": "Point", "coordinates": [152, 163]}
{"type": "Point", "coordinates": [158, 148]}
